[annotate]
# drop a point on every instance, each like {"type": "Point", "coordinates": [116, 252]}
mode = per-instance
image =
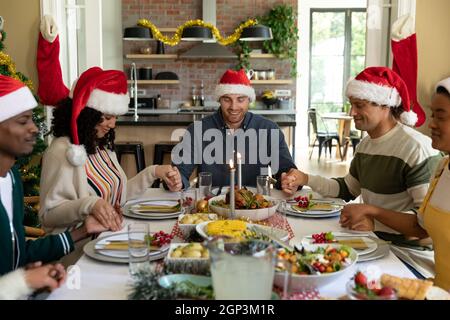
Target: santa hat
{"type": "Point", "coordinates": [382, 86]}
{"type": "Point", "coordinates": [15, 98]}
{"type": "Point", "coordinates": [444, 84]}
{"type": "Point", "coordinates": [235, 82]}
{"type": "Point", "coordinates": [103, 90]}
{"type": "Point", "coordinates": [51, 86]}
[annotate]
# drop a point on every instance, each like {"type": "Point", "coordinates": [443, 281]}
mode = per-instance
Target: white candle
{"type": "Point", "coordinates": [239, 170]}
{"type": "Point", "coordinates": [232, 204]}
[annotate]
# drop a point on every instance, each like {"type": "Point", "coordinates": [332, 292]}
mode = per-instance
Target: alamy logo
{"type": "Point", "coordinates": [73, 278]}
{"type": "Point", "coordinates": [212, 146]}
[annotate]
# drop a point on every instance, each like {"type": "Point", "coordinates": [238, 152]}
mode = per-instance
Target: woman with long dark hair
{"type": "Point", "coordinates": [81, 175]}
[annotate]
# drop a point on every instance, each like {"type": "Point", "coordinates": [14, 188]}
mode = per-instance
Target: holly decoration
{"type": "Point", "coordinates": [160, 238]}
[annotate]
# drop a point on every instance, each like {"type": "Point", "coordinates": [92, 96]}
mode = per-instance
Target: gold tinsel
{"type": "Point", "coordinates": [5, 60]}
{"type": "Point", "coordinates": [173, 41]}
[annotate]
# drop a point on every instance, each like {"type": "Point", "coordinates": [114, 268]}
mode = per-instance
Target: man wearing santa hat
{"type": "Point", "coordinates": [17, 138]}
{"type": "Point", "coordinates": [209, 145]}
{"type": "Point", "coordinates": [392, 165]}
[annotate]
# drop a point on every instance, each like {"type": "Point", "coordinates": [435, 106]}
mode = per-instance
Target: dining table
{"type": "Point", "coordinates": [96, 280]}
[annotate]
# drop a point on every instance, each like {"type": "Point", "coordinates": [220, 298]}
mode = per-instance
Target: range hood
{"type": "Point", "coordinates": [210, 48]}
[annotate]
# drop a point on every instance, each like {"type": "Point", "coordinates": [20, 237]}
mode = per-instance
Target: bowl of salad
{"type": "Point", "coordinates": [314, 266]}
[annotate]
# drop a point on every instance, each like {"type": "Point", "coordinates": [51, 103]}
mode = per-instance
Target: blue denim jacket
{"type": "Point", "coordinates": [191, 151]}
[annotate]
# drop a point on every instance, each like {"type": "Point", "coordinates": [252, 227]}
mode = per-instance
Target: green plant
{"type": "Point", "coordinates": [282, 20]}
{"type": "Point", "coordinates": [242, 49]}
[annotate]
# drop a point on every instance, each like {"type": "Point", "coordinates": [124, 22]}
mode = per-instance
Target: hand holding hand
{"type": "Point", "coordinates": [292, 180]}
{"type": "Point", "coordinates": [171, 176]}
{"type": "Point", "coordinates": [45, 277]}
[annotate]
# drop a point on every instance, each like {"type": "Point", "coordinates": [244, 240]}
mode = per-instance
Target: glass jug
{"type": "Point", "coordinates": [242, 271]}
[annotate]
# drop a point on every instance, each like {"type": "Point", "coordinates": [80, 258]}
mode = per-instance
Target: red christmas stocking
{"type": "Point", "coordinates": [51, 86]}
{"type": "Point", "coordinates": [405, 64]}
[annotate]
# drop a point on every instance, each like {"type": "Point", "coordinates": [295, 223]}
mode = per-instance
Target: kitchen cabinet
{"type": "Point", "coordinates": [275, 81]}
{"type": "Point", "coordinates": [155, 82]}
{"type": "Point", "coordinates": [151, 56]}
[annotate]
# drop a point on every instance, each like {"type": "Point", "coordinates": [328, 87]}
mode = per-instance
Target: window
{"type": "Point", "coordinates": [337, 51]}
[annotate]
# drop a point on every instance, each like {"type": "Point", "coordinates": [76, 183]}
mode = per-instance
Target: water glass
{"type": "Point", "coordinates": [205, 184]}
{"type": "Point", "coordinates": [263, 185]}
{"type": "Point", "coordinates": [242, 271]}
{"type": "Point", "coordinates": [188, 200]}
{"type": "Point", "coordinates": [138, 247]}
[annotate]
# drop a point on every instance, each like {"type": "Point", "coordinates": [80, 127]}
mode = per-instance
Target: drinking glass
{"type": "Point", "coordinates": [205, 184]}
{"type": "Point", "coordinates": [242, 271]}
{"type": "Point", "coordinates": [262, 185]}
{"type": "Point", "coordinates": [188, 200]}
{"type": "Point", "coordinates": [138, 247]}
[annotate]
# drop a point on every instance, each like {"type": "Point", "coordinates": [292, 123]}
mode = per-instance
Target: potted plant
{"type": "Point", "coordinates": [282, 20]}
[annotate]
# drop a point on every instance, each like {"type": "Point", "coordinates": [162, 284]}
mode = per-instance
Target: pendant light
{"type": "Point", "coordinates": [257, 32]}
{"type": "Point", "coordinates": [137, 33]}
{"type": "Point", "coordinates": [196, 33]}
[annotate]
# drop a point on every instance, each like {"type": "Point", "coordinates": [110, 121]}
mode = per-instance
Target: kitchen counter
{"type": "Point", "coordinates": [156, 125]}
{"type": "Point", "coordinates": [187, 119]}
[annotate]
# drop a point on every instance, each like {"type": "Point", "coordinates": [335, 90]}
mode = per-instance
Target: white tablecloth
{"type": "Point", "coordinates": [100, 280]}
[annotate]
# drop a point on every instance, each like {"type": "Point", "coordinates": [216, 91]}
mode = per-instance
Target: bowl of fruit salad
{"type": "Point", "coordinates": [314, 266]}
{"type": "Point", "coordinates": [361, 288]}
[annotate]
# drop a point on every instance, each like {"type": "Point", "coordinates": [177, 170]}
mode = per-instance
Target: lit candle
{"type": "Point", "coordinates": [232, 170]}
{"type": "Point", "coordinates": [239, 170]}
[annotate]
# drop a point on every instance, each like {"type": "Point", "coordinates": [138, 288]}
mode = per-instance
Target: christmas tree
{"type": "Point", "coordinates": [29, 166]}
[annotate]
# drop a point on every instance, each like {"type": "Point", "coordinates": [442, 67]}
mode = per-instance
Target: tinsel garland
{"type": "Point", "coordinates": [5, 60]}
{"type": "Point", "coordinates": [173, 41]}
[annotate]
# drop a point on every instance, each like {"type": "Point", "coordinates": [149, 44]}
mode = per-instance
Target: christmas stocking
{"type": "Point", "coordinates": [404, 50]}
{"type": "Point", "coordinates": [51, 86]}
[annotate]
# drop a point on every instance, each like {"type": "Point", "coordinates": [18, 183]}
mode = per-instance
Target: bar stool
{"type": "Point", "coordinates": [132, 147]}
{"type": "Point", "coordinates": [162, 148]}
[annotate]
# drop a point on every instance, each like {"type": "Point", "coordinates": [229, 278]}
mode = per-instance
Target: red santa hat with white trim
{"type": "Point", "coordinates": [103, 90]}
{"type": "Point", "coordinates": [15, 98]}
{"type": "Point", "coordinates": [235, 82]}
{"type": "Point", "coordinates": [384, 87]}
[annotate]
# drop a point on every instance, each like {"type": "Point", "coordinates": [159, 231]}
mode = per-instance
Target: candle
{"type": "Point", "coordinates": [239, 170]}
{"type": "Point", "coordinates": [232, 204]}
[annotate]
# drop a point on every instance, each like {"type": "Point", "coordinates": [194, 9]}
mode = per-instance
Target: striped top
{"type": "Point", "coordinates": [103, 177]}
{"type": "Point", "coordinates": [391, 172]}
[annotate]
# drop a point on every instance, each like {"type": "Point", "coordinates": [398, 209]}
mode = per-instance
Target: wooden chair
{"type": "Point", "coordinates": [33, 232]}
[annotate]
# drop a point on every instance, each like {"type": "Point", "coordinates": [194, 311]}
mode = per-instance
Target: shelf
{"type": "Point", "coordinates": [262, 56]}
{"type": "Point", "coordinates": [151, 56]}
{"type": "Point", "coordinates": [280, 81]}
{"type": "Point", "coordinates": [156, 81]}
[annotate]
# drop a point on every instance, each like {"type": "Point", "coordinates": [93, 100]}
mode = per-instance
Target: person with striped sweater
{"type": "Point", "coordinates": [392, 165]}
{"type": "Point", "coordinates": [21, 268]}
{"type": "Point", "coordinates": [81, 176]}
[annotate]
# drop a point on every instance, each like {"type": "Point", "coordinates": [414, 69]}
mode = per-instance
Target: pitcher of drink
{"type": "Point", "coordinates": [242, 271]}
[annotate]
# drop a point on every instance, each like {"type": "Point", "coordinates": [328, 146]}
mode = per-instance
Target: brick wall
{"type": "Point", "coordinates": [171, 14]}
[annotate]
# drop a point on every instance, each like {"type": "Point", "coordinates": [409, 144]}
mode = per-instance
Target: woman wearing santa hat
{"type": "Point", "coordinates": [81, 175]}
{"type": "Point", "coordinates": [21, 266]}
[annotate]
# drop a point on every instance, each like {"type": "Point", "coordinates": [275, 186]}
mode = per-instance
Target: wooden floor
{"type": "Point", "coordinates": [327, 166]}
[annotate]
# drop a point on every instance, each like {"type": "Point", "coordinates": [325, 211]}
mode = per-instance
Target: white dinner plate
{"type": "Point", "coordinates": [131, 210]}
{"type": "Point", "coordinates": [370, 243]}
{"type": "Point", "coordinates": [336, 211]}
{"type": "Point", "coordinates": [121, 253]}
